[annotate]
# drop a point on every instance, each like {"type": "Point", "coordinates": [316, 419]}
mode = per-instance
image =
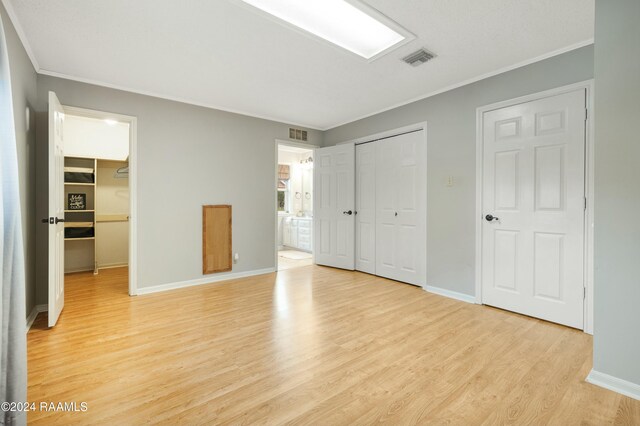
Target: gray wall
{"type": "Point", "coordinates": [617, 186]}
{"type": "Point", "coordinates": [451, 151]}
{"type": "Point", "coordinates": [23, 87]}
{"type": "Point", "coordinates": [187, 156]}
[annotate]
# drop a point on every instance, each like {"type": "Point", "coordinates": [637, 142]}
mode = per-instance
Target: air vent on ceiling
{"type": "Point", "coordinates": [298, 134]}
{"type": "Point", "coordinates": [418, 58]}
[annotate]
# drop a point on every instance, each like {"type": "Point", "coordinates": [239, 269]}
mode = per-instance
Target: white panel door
{"type": "Point", "coordinates": [366, 207]}
{"type": "Point", "coordinates": [56, 209]}
{"type": "Point", "coordinates": [334, 203]}
{"type": "Point", "coordinates": [533, 204]}
{"type": "Point", "coordinates": [401, 208]}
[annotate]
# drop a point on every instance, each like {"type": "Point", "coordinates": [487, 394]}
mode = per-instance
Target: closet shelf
{"type": "Point", "coordinates": [79, 211]}
{"type": "Point", "coordinates": [80, 238]}
{"type": "Point", "coordinates": [79, 184]}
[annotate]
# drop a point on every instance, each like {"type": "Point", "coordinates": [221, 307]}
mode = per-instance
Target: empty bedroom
{"type": "Point", "coordinates": [319, 212]}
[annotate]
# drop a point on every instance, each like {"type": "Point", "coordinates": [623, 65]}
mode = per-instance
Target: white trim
{"type": "Point", "coordinates": [389, 133]}
{"type": "Point", "coordinates": [296, 144]}
{"type": "Point", "coordinates": [624, 387]}
{"type": "Point", "coordinates": [34, 314]}
{"type": "Point", "coordinates": [113, 266]}
{"type": "Point", "coordinates": [204, 280]}
{"type": "Point", "coordinates": [590, 164]}
{"type": "Point", "coordinates": [13, 17]}
{"type": "Point", "coordinates": [133, 183]}
{"type": "Point", "coordinates": [27, 47]}
{"type": "Point", "coordinates": [450, 294]}
{"type": "Point", "coordinates": [172, 98]}
{"type": "Point", "coordinates": [75, 271]}
{"type": "Point", "coordinates": [468, 81]}
{"type": "Point", "coordinates": [32, 317]}
{"type": "Point", "coordinates": [589, 187]}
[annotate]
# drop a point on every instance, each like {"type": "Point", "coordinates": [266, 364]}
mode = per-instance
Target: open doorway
{"type": "Point", "coordinates": [96, 194]}
{"type": "Point", "coordinates": [91, 203]}
{"type": "Point", "coordinates": [294, 203]}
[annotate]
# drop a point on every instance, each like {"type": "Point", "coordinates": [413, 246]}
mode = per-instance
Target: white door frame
{"type": "Point", "coordinates": [396, 132]}
{"type": "Point", "coordinates": [275, 195]}
{"type": "Point", "coordinates": [589, 187]}
{"type": "Point", "coordinates": [133, 183]}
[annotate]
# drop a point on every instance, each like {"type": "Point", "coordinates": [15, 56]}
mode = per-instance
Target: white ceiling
{"type": "Point", "coordinates": [223, 55]}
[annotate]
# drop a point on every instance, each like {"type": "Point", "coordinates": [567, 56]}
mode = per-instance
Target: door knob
{"type": "Point", "coordinates": [491, 217]}
{"type": "Point", "coordinates": [348, 212]}
{"type": "Point", "coordinates": [58, 220]}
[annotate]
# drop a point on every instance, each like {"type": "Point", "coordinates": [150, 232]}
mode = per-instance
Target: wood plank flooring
{"type": "Point", "coordinates": [310, 345]}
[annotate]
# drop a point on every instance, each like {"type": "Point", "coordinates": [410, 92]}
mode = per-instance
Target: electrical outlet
{"type": "Point", "coordinates": [236, 258]}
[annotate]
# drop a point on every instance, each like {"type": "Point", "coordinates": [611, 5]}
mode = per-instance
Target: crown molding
{"type": "Point", "coordinates": [23, 38]}
{"type": "Point", "coordinates": [21, 34]}
{"type": "Point", "coordinates": [471, 80]}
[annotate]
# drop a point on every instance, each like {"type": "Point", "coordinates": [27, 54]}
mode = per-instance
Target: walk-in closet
{"type": "Point", "coordinates": [96, 193]}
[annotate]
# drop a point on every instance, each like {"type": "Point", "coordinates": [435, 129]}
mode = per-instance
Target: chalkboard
{"type": "Point", "coordinates": [76, 201]}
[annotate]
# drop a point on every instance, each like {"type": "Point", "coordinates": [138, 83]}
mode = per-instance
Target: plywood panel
{"type": "Point", "coordinates": [216, 239]}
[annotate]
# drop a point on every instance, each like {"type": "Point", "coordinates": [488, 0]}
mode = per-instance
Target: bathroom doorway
{"type": "Point", "coordinates": [294, 204]}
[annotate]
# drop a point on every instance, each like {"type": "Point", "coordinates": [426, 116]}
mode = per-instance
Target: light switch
{"type": "Point", "coordinates": [450, 181]}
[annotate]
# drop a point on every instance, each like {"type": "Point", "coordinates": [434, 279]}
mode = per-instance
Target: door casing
{"type": "Point", "coordinates": [133, 183]}
{"type": "Point", "coordinates": [275, 179]}
{"type": "Point", "coordinates": [589, 193]}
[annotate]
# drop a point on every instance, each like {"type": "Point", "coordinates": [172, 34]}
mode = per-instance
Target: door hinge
{"type": "Point", "coordinates": [584, 293]}
{"type": "Point", "coordinates": [586, 114]}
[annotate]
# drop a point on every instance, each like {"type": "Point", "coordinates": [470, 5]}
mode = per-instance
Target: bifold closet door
{"type": "Point", "coordinates": [401, 208]}
{"type": "Point", "coordinates": [366, 208]}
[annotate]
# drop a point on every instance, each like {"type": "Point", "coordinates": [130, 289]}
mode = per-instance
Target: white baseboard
{"type": "Point", "coordinates": [34, 313]}
{"type": "Point", "coordinates": [113, 265]}
{"type": "Point", "coordinates": [204, 280]}
{"type": "Point", "coordinates": [630, 389]}
{"type": "Point", "coordinates": [451, 294]}
{"type": "Point", "coordinates": [75, 271]}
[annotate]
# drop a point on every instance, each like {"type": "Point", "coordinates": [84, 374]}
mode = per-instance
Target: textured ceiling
{"type": "Point", "coordinates": [225, 55]}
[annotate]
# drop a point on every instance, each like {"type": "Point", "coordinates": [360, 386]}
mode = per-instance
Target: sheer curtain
{"type": "Point", "coordinates": [13, 345]}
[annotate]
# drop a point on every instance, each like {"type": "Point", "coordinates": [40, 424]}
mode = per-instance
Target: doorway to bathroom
{"type": "Point", "coordinates": [294, 204]}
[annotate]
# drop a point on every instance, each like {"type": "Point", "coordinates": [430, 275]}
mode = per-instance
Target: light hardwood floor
{"type": "Point", "coordinates": [310, 345]}
{"type": "Point", "coordinates": [284, 263]}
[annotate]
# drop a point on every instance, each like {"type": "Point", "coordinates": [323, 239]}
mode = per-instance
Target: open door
{"type": "Point", "coordinates": [56, 209]}
{"type": "Point", "coordinates": [334, 206]}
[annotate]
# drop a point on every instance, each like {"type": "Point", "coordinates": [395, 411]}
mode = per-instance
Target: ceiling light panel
{"type": "Point", "coordinates": [348, 24]}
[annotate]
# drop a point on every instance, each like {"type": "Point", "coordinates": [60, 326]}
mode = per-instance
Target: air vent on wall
{"type": "Point", "coordinates": [418, 58]}
{"type": "Point", "coordinates": [298, 134]}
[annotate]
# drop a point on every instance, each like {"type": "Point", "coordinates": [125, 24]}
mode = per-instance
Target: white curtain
{"type": "Point", "coordinates": [13, 345]}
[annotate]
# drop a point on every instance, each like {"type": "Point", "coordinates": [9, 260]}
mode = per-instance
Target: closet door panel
{"type": "Point", "coordinates": [401, 208]}
{"type": "Point", "coordinates": [411, 201]}
{"type": "Point", "coordinates": [386, 213]}
{"type": "Point", "coordinates": [366, 208]}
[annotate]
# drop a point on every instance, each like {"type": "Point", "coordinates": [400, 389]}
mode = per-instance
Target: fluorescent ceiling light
{"type": "Point", "coordinates": [337, 21]}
